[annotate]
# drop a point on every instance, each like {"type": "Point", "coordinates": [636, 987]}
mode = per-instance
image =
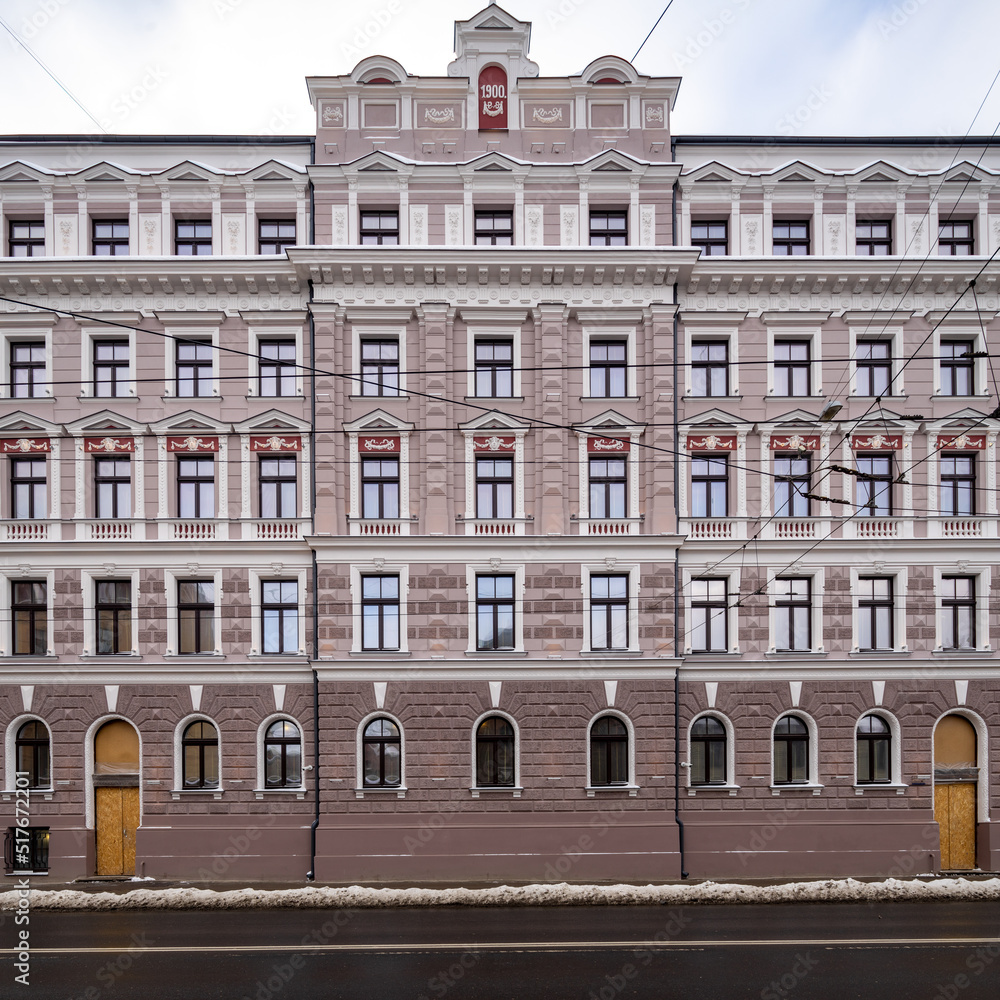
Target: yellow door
{"type": "Point", "coordinates": [955, 812]}
{"type": "Point", "coordinates": [117, 820]}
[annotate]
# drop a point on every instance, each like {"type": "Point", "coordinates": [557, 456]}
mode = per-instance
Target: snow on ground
{"type": "Point", "coordinates": [560, 894]}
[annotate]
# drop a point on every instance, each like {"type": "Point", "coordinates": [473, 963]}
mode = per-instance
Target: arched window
{"type": "Point", "coordinates": [791, 751]}
{"type": "Point", "coordinates": [874, 746]}
{"type": "Point", "coordinates": [608, 752]}
{"type": "Point", "coordinates": [708, 752]}
{"type": "Point", "coordinates": [282, 755]}
{"type": "Point", "coordinates": [200, 755]}
{"type": "Point", "coordinates": [495, 753]}
{"type": "Point", "coordinates": [381, 747]}
{"type": "Point", "coordinates": [32, 754]}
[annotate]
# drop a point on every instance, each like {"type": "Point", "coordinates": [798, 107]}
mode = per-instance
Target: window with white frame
{"type": "Point", "coordinates": [199, 756]}
{"type": "Point", "coordinates": [381, 753]}
{"type": "Point", "coordinates": [380, 611]}
{"type": "Point", "coordinates": [112, 486]}
{"type": "Point", "coordinates": [380, 360]}
{"type": "Point", "coordinates": [957, 490]}
{"type": "Point", "coordinates": [107, 363]}
{"type": "Point", "coordinates": [282, 755]}
{"type": "Point", "coordinates": [32, 753]}
{"type": "Point", "coordinates": [709, 368]}
{"type": "Point", "coordinates": [279, 616]}
{"type": "Point", "coordinates": [609, 752]}
{"type": "Point", "coordinates": [196, 486]}
{"type": "Point", "coordinates": [610, 357]}
{"type": "Point", "coordinates": [709, 485]}
{"type": "Point", "coordinates": [793, 612]}
{"type": "Point", "coordinates": [277, 481]}
{"type": "Point", "coordinates": [28, 488]}
{"type": "Point", "coordinates": [192, 362]}
{"type": "Point", "coordinates": [709, 753]}
{"type": "Point", "coordinates": [709, 615]}
{"type": "Point", "coordinates": [275, 365]}
{"type": "Point", "coordinates": [874, 750]}
{"type": "Point", "coordinates": [796, 353]}
{"type": "Point", "coordinates": [958, 612]}
{"type": "Point", "coordinates": [496, 748]}
{"type": "Point", "coordinates": [791, 751]}
{"type": "Point", "coordinates": [611, 608]}
{"type": "Point", "coordinates": [27, 369]}
{"type": "Point", "coordinates": [792, 485]}
{"type": "Point", "coordinates": [957, 367]}
{"type": "Point", "coordinates": [876, 613]}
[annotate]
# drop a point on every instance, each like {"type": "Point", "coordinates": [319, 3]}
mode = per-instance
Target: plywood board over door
{"type": "Point", "coordinates": [117, 820]}
{"type": "Point", "coordinates": [955, 812]}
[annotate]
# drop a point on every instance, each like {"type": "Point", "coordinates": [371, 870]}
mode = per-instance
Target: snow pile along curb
{"type": "Point", "coordinates": [560, 894]}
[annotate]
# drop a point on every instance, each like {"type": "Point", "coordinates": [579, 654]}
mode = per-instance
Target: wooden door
{"type": "Point", "coordinates": [117, 812]}
{"type": "Point", "coordinates": [955, 812]}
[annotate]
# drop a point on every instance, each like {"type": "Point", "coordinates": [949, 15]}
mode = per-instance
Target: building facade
{"type": "Point", "coordinates": [495, 485]}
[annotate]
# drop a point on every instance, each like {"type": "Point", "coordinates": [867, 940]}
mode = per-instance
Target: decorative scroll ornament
{"type": "Point", "coordinates": [712, 442]}
{"type": "Point", "coordinates": [26, 444]}
{"type": "Point", "coordinates": [876, 441]}
{"type": "Point", "coordinates": [547, 117]}
{"type": "Point", "coordinates": [380, 444]}
{"type": "Point", "coordinates": [333, 113]}
{"type": "Point", "coordinates": [493, 108]}
{"type": "Point", "coordinates": [493, 443]}
{"type": "Point", "coordinates": [439, 116]}
{"type": "Point", "coordinates": [109, 444]}
{"type": "Point", "coordinates": [795, 442]}
{"type": "Point", "coordinates": [654, 113]}
{"type": "Point", "coordinates": [607, 444]}
{"type": "Point", "coordinates": [192, 443]}
{"type": "Point", "coordinates": [275, 442]}
{"type": "Point", "coordinates": [963, 441]}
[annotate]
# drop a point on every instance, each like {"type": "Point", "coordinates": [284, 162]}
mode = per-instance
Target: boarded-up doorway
{"type": "Point", "coordinates": [116, 797]}
{"type": "Point", "coordinates": [955, 783]}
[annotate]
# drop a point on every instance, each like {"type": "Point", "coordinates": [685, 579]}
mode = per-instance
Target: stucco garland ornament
{"type": "Point", "coordinates": [274, 443]}
{"type": "Point", "coordinates": [493, 108]}
{"type": "Point", "coordinates": [333, 113]}
{"type": "Point", "coordinates": [547, 117]}
{"type": "Point", "coordinates": [439, 116]}
{"type": "Point", "coordinates": [385, 444]}
{"type": "Point", "coordinates": [654, 114]}
{"type": "Point", "coordinates": [609, 444]}
{"type": "Point", "coordinates": [494, 443]}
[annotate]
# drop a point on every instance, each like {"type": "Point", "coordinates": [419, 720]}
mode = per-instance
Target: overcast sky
{"type": "Point", "coordinates": [765, 67]}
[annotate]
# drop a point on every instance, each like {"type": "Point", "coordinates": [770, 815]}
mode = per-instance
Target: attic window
{"type": "Point", "coordinates": [380, 79]}
{"type": "Point", "coordinates": [609, 79]}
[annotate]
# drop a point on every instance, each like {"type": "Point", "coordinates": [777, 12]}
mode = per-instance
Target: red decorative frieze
{"type": "Point", "coordinates": [876, 442]}
{"type": "Point", "coordinates": [372, 445]}
{"type": "Point", "coordinates": [795, 442]}
{"type": "Point", "coordinates": [712, 442]}
{"type": "Point", "coordinates": [25, 445]}
{"type": "Point", "coordinates": [275, 442]}
{"type": "Point", "coordinates": [110, 445]}
{"type": "Point", "coordinates": [963, 442]}
{"type": "Point", "coordinates": [493, 443]}
{"type": "Point", "coordinates": [607, 444]}
{"type": "Point", "coordinates": [192, 443]}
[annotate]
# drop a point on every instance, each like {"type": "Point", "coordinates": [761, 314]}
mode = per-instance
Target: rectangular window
{"type": "Point", "coordinates": [710, 368]}
{"type": "Point", "coordinates": [710, 486]}
{"type": "Point", "coordinates": [608, 487]}
{"type": "Point", "coordinates": [380, 612]}
{"type": "Point", "coordinates": [29, 606]}
{"type": "Point", "coordinates": [608, 368]}
{"type": "Point", "coordinates": [792, 484]}
{"type": "Point", "coordinates": [791, 239]}
{"type": "Point", "coordinates": [609, 229]}
{"type": "Point", "coordinates": [875, 612]}
{"type": "Point", "coordinates": [957, 368]}
{"type": "Point", "coordinates": [380, 228]}
{"type": "Point", "coordinates": [792, 614]}
{"type": "Point", "coordinates": [27, 488]}
{"type": "Point", "coordinates": [196, 616]}
{"type": "Point", "coordinates": [114, 616]}
{"type": "Point", "coordinates": [380, 487]}
{"type": "Point", "coordinates": [494, 228]}
{"type": "Point", "coordinates": [110, 237]}
{"type": "Point", "coordinates": [709, 615]}
{"type": "Point", "coordinates": [279, 613]}
{"type": "Point", "coordinates": [26, 238]}
{"type": "Point", "coordinates": [196, 487]}
{"type": "Point", "coordinates": [277, 368]}
{"type": "Point", "coordinates": [111, 359]}
{"type": "Point", "coordinates": [873, 238]}
{"type": "Point", "coordinates": [958, 484]}
{"type": "Point", "coordinates": [958, 606]}
{"type": "Point", "coordinates": [873, 359]}
{"type": "Point", "coordinates": [792, 368]}
{"type": "Point", "coordinates": [494, 487]}
{"type": "Point", "coordinates": [193, 238]}
{"type": "Point", "coordinates": [494, 612]}
{"type": "Point", "coordinates": [874, 485]}
{"type": "Point", "coordinates": [955, 239]}
{"type": "Point", "coordinates": [194, 368]}
{"type": "Point", "coordinates": [277, 487]}
{"type": "Point", "coordinates": [712, 238]}
{"type": "Point", "coordinates": [113, 487]}
{"type": "Point", "coordinates": [495, 368]}
{"type": "Point", "coordinates": [26, 850]}
{"type": "Point", "coordinates": [27, 370]}
{"type": "Point", "coordinates": [379, 367]}
{"type": "Point", "coordinates": [274, 236]}
{"type": "Point", "coordinates": [609, 611]}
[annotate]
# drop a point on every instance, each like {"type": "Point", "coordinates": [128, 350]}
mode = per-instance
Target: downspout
{"type": "Point", "coordinates": [677, 559]}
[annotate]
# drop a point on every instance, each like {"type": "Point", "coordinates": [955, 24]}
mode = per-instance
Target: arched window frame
{"type": "Point", "coordinates": [812, 753]}
{"type": "Point", "coordinates": [983, 785]}
{"type": "Point", "coordinates": [360, 789]}
{"type": "Point", "coordinates": [513, 790]}
{"type": "Point", "coordinates": [631, 786]}
{"type": "Point", "coordinates": [730, 783]}
{"type": "Point", "coordinates": [261, 790]}
{"type": "Point", "coordinates": [179, 730]}
{"type": "Point", "coordinates": [895, 754]}
{"type": "Point", "coordinates": [10, 755]}
{"type": "Point", "coordinates": [89, 763]}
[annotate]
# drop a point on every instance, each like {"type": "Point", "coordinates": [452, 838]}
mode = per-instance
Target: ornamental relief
{"type": "Point", "coordinates": [547, 116]}
{"type": "Point", "coordinates": [333, 115]}
{"type": "Point", "coordinates": [25, 444]}
{"type": "Point", "coordinates": [439, 116]}
{"type": "Point", "coordinates": [654, 114]}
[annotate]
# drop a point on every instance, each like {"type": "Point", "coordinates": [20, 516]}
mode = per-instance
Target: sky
{"type": "Point", "coordinates": [761, 67]}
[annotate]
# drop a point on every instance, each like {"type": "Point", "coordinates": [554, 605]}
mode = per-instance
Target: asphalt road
{"type": "Point", "coordinates": [902, 951]}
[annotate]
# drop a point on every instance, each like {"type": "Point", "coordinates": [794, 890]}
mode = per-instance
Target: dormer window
{"type": "Point", "coordinates": [380, 79]}
{"type": "Point", "coordinates": [609, 79]}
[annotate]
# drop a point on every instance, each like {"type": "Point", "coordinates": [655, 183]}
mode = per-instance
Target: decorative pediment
{"type": "Point", "coordinates": [609, 422]}
{"type": "Point", "coordinates": [610, 68]}
{"type": "Point", "coordinates": [378, 420]}
{"type": "Point", "coordinates": [880, 172]}
{"type": "Point", "coordinates": [190, 422]}
{"type": "Point", "coordinates": [20, 422]}
{"type": "Point", "coordinates": [377, 68]}
{"type": "Point", "coordinates": [968, 173]}
{"type": "Point", "coordinates": [494, 166]}
{"type": "Point", "coordinates": [491, 163]}
{"type": "Point", "coordinates": [272, 422]}
{"type": "Point", "coordinates": [19, 172]}
{"type": "Point", "coordinates": [104, 172]}
{"type": "Point", "coordinates": [611, 160]}
{"type": "Point", "coordinates": [800, 172]}
{"type": "Point", "coordinates": [494, 420]}
{"type": "Point", "coordinates": [716, 418]}
{"type": "Point", "coordinates": [887, 420]}
{"type": "Point", "coordinates": [274, 170]}
{"type": "Point", "coordinates": [613, 166]}
{"type": "Point", "coordinates": [714, 172]}
{"type": "Point", "coordinates": [966, 417]}
{"type": "Point", "coordinates": [378, 161]}
{"type": "Point", "coordinates": [105, 422]}
{"type": "Point", "coordinates": [190, 171]}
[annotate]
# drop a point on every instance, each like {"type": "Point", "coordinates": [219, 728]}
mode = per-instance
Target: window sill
{"type": "Point", "coordinates": [514, 791]}
{"type": "Point", "coordinates": [797, 654]}
{"type": "Point", "coordinates": [963, 654]}
{"type": "Point", "coordinates": [805, 786]}
{"type": "Point", "coordinates": [494, 654]}
{"type": "Point", "coordinates": [610, 654]}
{"type": "Point", "coordinates": [291, 395]}
{"type": "Point", "coordinates": [399, 792]}
{"type": "Point", "coordinates": [183, 793]}
{"type": "Point", "coordinates": [381, 654]}
{"type": "Point", "coordinates": [110, 657]}
{"type": "Point", "coordinates": [701, 789]}
{"type": "Point", "coordinates": [713, 399]}
{"type": "Point", "coordinates": [592, 790]}
{"type": "Point", "coordinates": [171, 655]}
{"type": "Point", "coordinates": [880, 654]}
{"type": "Point", "coordinates": [401, 395]}
{"type": "Point", "coordinates": [299, 793]}
{"type": "Point", "coordinates": [20, 874]}
{"type": "Point", "coordinates": [45, 793]}
{"type": "Point", "coordinates": [494, 399]}
{"type": "Point", "coordinates": [885, 395]}
{"type": "Point", "coordinates": [604, 399]}
{"type": "Point", "coordinates": [879, 786]}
